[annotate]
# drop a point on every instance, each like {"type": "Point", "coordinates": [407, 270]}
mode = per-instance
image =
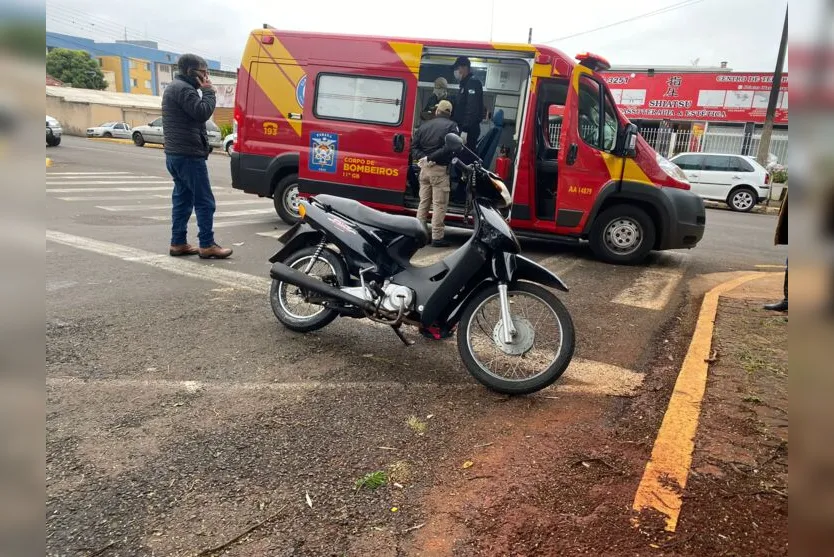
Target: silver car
{"type": "Point", "coordinates": [152, 133]}
{"type": "Point", "coordinates": [120, 130]}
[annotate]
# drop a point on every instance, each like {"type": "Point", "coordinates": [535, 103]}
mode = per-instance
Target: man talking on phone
{"type": "Point", "coordinates": [187, 104]}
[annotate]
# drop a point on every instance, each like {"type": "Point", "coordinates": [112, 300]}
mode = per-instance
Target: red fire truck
{"type": "Point", "coordinates": [323, 113]}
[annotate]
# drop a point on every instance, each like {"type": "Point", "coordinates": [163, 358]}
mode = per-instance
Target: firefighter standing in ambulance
{"type": "Point", "coordinates": [429, 149]}
{"type": "Point", "coordinates": [469, 108]}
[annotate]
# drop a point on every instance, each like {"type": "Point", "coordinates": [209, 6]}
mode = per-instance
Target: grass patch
{"type": "Point", "coordinates": [754, 362]}
{"type": "Point", "coordinates": [417, 426]}
{"type": "Point", "coordinates": [372, 480]}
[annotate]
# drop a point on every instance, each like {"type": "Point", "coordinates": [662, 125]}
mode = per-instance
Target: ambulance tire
{"type": "Point", "coordinates": [285, 198]}
{"type": "Point", "coordinates": [623, 235]}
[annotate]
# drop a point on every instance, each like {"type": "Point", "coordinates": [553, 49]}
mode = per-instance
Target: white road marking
{"type": "Point", "coordinates": [559, 264]}
{"type": "Point", "coordinates": [114, 182]}
{"type": "Point", "coordinates": [124, 208]}
{"type": "Point", "coordinates": [178, 266]}
{"type": "Point", "coordinates": [228, 224]}
{"type": "Point", "coordinates": [225, 214]}
{"type": "Point", "coordinates": [651, 290]}
{"type": "Point", "coordinates": [582, 377]}
{"type": "Point", "coordinates": [105, 190]}
{"type": "Point", "coordinates": [115, 198]}
{"type": "Point", "coordinates": [105, 173]}
{"type": "Point", "coordinates": [272, 233]}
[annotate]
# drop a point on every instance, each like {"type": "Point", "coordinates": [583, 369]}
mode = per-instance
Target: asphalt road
{"type": "Point", "coordinates": [164, 372]}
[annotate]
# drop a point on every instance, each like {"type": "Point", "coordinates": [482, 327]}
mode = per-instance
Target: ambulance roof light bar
{"type": "Point", "coordinates": [594, 61]}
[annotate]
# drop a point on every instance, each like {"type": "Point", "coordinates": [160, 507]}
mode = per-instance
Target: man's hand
{"type": "Point", "coordinates": [463, 136]}
{"type": "Point", "coordinates": [205, 82]}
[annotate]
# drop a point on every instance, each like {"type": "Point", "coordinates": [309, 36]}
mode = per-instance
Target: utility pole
{"type": "Point", "coordinates": [530, 36]}
{"type": "Point", "coordinates": [767, 129]}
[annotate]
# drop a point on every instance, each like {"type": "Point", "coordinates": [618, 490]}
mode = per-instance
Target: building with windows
{"type": "Point", "coordinates": [137, 67]}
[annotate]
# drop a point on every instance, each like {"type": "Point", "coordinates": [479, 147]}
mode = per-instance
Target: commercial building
{"type": "Point", "coordinates": [137, 67]}
{"type": "Point", "coordinates": [700, 109]}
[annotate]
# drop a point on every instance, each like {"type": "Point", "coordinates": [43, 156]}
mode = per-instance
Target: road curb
{"type": "Point", "coordinates": [123, 142]}
{"type": "Point", "coordinates": [664, 479]}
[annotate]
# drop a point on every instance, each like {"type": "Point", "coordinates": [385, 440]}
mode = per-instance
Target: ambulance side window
{"type": "Point", "coordinates": [597, 120]}
{"type": "Point", "coordinates": [375, 100]}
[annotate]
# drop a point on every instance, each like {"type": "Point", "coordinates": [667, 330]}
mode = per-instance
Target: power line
{"type": "Point", "coordinates": [658, 11]}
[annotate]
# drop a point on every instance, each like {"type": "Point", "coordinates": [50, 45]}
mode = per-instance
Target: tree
{"type": "Point", "coordinates": [76, 68]}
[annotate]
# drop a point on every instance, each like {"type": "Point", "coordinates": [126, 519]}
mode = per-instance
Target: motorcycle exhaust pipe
{"type": "Point", "coordinates": [285, 273]}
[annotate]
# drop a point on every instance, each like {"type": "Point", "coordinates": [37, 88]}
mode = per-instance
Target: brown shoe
{"type": "Point", "coordinates": [215, 252]}
{"type": "Point", "coordinates": [182, 249]}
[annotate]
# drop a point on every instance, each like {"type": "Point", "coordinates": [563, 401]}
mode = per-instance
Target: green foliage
{"type": "Point", "coordinates": [76, 68]}
{"type": "Point", "coordinates": [372, 481]}
{"type": "Point", "coordinates": [23, 37]}
{"type": "Point", "coordinates": [780, 176]}
{"type": "Point", "coordinates": [225, 129]}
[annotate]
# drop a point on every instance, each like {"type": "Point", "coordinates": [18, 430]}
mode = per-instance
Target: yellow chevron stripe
{"type": "Point", "coordinates": [632, 173]}
{"type": "Point", "coordinates": [277, 78]}
{"type": "Point", "coordinates": [409, 53]}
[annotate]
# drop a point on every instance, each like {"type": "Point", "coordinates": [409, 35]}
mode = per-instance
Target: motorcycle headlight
{"type": "Point", "coordinates": [671, 168]}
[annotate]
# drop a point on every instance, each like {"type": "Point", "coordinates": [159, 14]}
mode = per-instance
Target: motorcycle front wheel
{"type": "Point", "coordinates": [540, 351]}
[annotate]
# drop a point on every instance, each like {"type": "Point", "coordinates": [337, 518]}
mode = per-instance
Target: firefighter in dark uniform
{"type": "Point", "coordinates": [469, 108]}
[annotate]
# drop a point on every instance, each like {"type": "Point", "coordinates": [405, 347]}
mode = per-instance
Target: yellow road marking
{"type": "Point", "coordinates": [48, 162]}
{"type": "Point", "coordinates": [664, 478]}
{"type": "Point", "coordinates": [769, 266]}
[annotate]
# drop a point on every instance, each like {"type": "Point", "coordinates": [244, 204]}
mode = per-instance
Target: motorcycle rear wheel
{"type": "Point", "coordinates": [287, 300]}
{"type": "Point", "coordinates": [541, 351]}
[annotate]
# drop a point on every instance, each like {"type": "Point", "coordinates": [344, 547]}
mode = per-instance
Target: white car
{"type": "Point", "coordinates": [152, 133]}
{"type": "Point", "coordinates": [229, 143]}
{"type": "Point", "coordinates": [119, 130]}
{"type": "Point", "coordinates": [737, 180]}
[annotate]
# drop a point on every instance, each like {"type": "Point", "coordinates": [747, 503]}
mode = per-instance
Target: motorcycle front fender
{"type": "Point", "coordinates": [300, 236]}
{"type": "Point", "coordinates": [530, 271]}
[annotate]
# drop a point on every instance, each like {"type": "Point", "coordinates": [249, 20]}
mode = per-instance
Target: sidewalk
{"type": "Point", "coordinates": [735, 501]}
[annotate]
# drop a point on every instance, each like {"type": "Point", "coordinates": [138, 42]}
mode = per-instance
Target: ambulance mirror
{"type": "Point", "coordinates": [628, 147]}
{"type": "Point", "coordinates": [453, 142]}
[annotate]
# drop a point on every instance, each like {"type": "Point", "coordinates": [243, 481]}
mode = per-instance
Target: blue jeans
{"type": "Point", "coordinates": [192, 193]}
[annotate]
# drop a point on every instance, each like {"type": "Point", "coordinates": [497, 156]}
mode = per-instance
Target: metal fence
{"type": "Point", "coordinates": [670, 142]}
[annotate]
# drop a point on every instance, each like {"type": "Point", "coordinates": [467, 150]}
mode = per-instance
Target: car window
{"type": "Point", "coordinates": [119, 126]}
{"type": "Point", "coordinates": [157, 123]}
{"type": "Point", "coordinates": [740, 165]}
{"type": "Point", "coordinates": [597, 122]}
{"type": "Point", "coordinates": [211, 126]}
{"type": "Point", "coordinates": [690, 162]}
{"type": "Point", "coordinates": [719, 163]}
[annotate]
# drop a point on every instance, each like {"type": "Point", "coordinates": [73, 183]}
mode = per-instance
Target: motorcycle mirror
{"type": "Point", "coordinates": [453, 142]}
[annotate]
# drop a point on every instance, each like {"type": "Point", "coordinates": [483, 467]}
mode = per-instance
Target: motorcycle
{"type": "Point", "coordinates": [345, 259]}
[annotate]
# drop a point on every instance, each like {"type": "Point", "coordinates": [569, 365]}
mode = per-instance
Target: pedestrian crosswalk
{"type": "Point", "coordinates": [144, 196]}
{"type": "Point", "coordinates": [148, 198]}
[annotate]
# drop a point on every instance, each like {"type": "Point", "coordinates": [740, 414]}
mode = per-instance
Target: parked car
{"type": "Point", "coordinates": [152, 133]}
{"type": "Point", "coordinates": [53, 132]}
{"type": "Point", "coordinates": [229, 143]}
{"type": "Point", "coordinates": [737, 180]}
{"type": "Point", "coordinates": [119, 130]}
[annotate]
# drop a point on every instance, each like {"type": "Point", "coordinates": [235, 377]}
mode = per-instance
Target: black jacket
{"type": "Point", "coordinates": [469, 108]}
{"type": "Point", "coordinates": [429, 140]}
{"type": "Point", "coordinates": [184, 116]}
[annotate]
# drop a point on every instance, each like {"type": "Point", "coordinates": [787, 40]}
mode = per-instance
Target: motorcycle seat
{"type": "Point", "coordinates": [407, 226]}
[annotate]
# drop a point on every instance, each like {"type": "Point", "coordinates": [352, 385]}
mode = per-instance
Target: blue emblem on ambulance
{"type": "Point", "coordinates": [300, 90]}
{"type": "Point", "coordinates": [324, 152]}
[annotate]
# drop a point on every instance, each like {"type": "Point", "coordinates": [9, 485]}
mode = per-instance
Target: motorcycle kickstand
{"type": "Point", "coordinates": [401, 336]}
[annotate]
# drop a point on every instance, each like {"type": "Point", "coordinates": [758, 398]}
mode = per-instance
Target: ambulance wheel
{"type": "Point", "coordinates": [623, 234]}
{"type": "Point", "coordinates": [286, 199]}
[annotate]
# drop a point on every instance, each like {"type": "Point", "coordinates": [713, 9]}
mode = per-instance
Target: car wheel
{"type": "Point", "coordinates": [286, 199]}
{"type": "Point", "coordinates": [108, 135]}
{"type": "Point", "coordinates": [230, 148]}
{"type": "Point", "coordinates": [53, 141]}
{"type": "Point", "coordinates": [623, 234]}
{"type": "Point", "coordinates": [138, 140]}
{"type": "Point", "coordinates": [742, 200]}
